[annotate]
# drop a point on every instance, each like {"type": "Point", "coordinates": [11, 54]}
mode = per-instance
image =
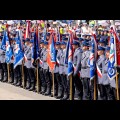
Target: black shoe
{"type": "Point", "coordinates": [32, 87]}
{"type": "Point", "coordinates": [66, 97]}
{"type": "Point", "coordinates": [19, 84]}
{"type": "Point", "coordinates": [43, 90]}
{"type": "Point", "coordinates": [80, 98]}
{"type": "Point", "coordinates": [15, 82]}
{"type": "Point", "coordinates": [28, 86]}
{"type": "Point", "coordinates": [47, 93]}
{"type": "Point", "coordinates": [11, 81]}
{"type": "Point", "coordinates": [60, 96]}
{"type": "Point", "coordinates": [5, 80]}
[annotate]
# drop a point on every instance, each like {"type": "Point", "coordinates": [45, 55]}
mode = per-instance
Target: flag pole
{"type": "Point", "coordinates": [23, 74]}
{"type": "Point", "coordinates": [117, 87]}
{"type": "Point", "coordinates": [37, 78]}
{"type": "Point", "coordinates": [8, 67]}
{"type": "Point", "coordinates": [71, 97]}
{"type": "Point", "coordinates": [53, 82]}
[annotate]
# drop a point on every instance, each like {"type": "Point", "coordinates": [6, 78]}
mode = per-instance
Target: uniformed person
{"type": "Point", "coordinates": [57, 80]}
{"type": "Point", "coordinates": [46, 71]}
{"type": "Point", "coordinates": [41, 74]}
{"type": "Point", "coordinates": [106, 37]}
{"type": "Point", "coordinates": [64, 92]}
{"type": "Point", "coordinates": [101, 42]}
{"type": "Point", "coordinates": [85, 69]}
{"type": "Point", "coordinates": [30, 68]}
{"type": "Point", "coordinates": [77, 67]}
{"type": "Point", "coordinates": [106, 81]}
{"type": "Point", "coordinates": [58, 88]}
{"type": "Point", "coordinates": [101, 63]}
{"type": "Point", "coordinates": [113, 92]}
{"type": "Point", "coordinates": [4, 72]}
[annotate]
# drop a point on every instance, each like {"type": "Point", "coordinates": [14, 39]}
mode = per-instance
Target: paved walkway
{"type": "Point", "coordinates": [10, 92]}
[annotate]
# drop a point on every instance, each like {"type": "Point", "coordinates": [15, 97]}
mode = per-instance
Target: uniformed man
{"type": "Point", "coordinates": [58, 88]}
{"type": "Point", "coordinates": [106, 81]}
{"type": "Point", "coordinates": [4, 72]}
{"type": "Point", "coordinates": [77, 67]}
{"type": "Point", "coordinates": [101, 63]}
{"type": "Point", "coordinates": [113, 93]}
{"type": "Point", "coordinates": [30, 68]}
{"type": "Point", "coordinates": [64, 92]}
{"type": "Point", "coordinates": [85, 70]}
{"type": "Point", "coordinates": [41, 74]}
{"type": "Point", "coordinates": [101, 42]}
{"type": "Point", "coordinates": [106, 37]}
{"type": "Point", "coordinates": [46, 71]}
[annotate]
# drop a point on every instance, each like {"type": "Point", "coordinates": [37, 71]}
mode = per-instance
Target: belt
{"type": "Point", "coordinates": [2, 54]}
{"type": "Point", "coordinates": [84, 67]}
{"type": "Point", "coordinates": [28, 59]}
{"type": "Point", "coordinates": [75, 64]}
{"type": "Point", "coordinates": [61, 65]}
{"type": "Point", "coordinates": [105, 71]}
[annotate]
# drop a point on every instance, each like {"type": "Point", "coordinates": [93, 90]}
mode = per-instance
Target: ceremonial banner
{"type": "Point", "coordinates": [18, 53]}
{"type": "Point", "coordinates": [51, 55]}
{"type": "Point", "coordinates": [9, 52]}
{"type": "Point", "coordinates": [112, 58]}
{"type": "Point", "coordinates": [35, 47]}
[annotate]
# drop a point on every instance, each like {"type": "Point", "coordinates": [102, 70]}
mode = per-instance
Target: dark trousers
{"type": "Point", "coordinates": [78, 86]}
{"type": "Point", "coordinates": [11, 72]}
{"type": "Point", "coordinates": [25, 74]}
{"type": "Point", "coordinates": [42, 79]}
{"type": "Point", "coordinates": [4, 71]}
{"type": "Point", "coordinates": [105, 92]}
{"type": "Point", "coordinates": [114, 93]}
{"type": "Point", "coordinates": [60, 84]}
{"type": "Point", "coordinates": [92, 90]}
{"type": "Point", "coordinates": [86, 86]}
{"type": "Point", "coordinates": [56, 77]}
{"type": "Point", "coordinates": [31, 75]}
{"type": "Point", "coordinates": [48, 80]}
{"type": "Point", "coordinates": [17, 74]}
{"type": "Point", "coordinates": [64, 85]}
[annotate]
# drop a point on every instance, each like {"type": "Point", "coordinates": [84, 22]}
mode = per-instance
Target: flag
{"type": "Point", "coordinates": [92, 60]}
{"type": "Point", "coordinates": [112, 58]}
{"type": "Point", "coordinates": [9, 52]}
{"type": "Point", "coordinates": [18, 53]}
{"type": "Point", "coordinates": [44, 33]}
{"type": "Point", "coordinates": [69, 55]}
{"type": "Point", "coordinates": [20, 34]}
{"type": "Point", "coordinates": [53, 51]}
{"type": "Point", "coordinates": [51, 55]}
{"type": "Point", "coordinates": [117, 44]}
{"type": "Point", "coordinates": [27, 32]}
{"type": "Point", "coordinates": [35, 47]}
{"type": "Point", "coordinates": [99, 73]}
{"type": "Point", "coordinates": [3, 45]}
